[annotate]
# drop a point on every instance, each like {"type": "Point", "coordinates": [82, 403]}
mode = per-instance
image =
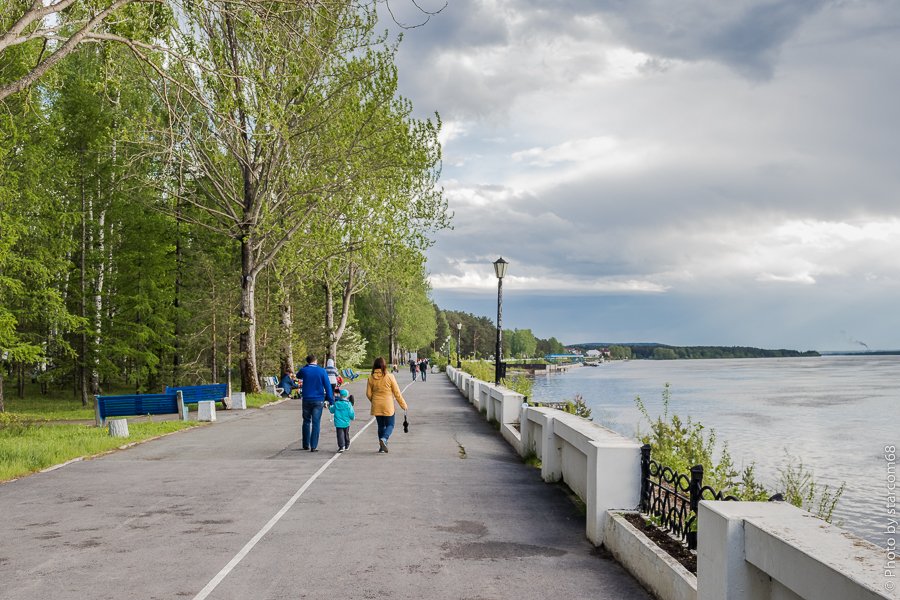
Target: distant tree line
{"type": "Point", "coordinates": [478, 338]}
{"type": "Point", "coordinates": [661, 352]}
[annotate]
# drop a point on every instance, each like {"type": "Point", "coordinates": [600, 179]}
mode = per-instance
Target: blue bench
{"type": "Point", "coordinates": [192, 394]}
{"type": "Point", "coordinates": [349, 374]}
{"type": "Point", "coordinates": [138, 404]}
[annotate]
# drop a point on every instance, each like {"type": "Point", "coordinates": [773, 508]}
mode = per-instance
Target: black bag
{"type": "Point", "coordinates": [405, 424]}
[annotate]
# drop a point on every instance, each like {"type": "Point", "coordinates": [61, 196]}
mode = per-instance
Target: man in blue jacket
{"type": "Point", "coordinates": [315, 391]}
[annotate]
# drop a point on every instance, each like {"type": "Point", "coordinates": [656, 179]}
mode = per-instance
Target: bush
{"type": "Point", "coordinates": [577, 406]}
{"type": "Point", "coordinates": [681, 445]}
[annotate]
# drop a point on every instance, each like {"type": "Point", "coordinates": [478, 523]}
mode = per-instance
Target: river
{"type": "Point", "coordinates": [837, 413]}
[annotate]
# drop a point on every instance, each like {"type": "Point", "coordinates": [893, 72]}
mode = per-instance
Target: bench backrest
{"type": "Point", "coordinates": [197, 393]}
{"type": "Point", "coordinates": [137, 404]}
{"type": "Point", "coordinates": [270, 380]}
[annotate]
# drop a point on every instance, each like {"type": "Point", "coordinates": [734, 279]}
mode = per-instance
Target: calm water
{"type": "Point", "coordinates": [835, 412]}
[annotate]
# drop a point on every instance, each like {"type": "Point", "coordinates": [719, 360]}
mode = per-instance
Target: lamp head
{"type": "Point", "coordinates": [458, 325]}
{"type": "Point", "coordinates": [500, 268]}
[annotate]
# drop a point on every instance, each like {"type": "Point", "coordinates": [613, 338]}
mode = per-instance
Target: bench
{"type": "Point", "coordinates": [271, 385]}
{"type": "Point", "coordinates": [349, 374]}
{"type": "Point", "coordinates": [138, 404]}
{"type": "Point", "coordinates": [217, 392]}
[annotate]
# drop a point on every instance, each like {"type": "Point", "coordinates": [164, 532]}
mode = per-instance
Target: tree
{"type": "Point", "coordinates": [400, 305]}
{"type": "Point", "coordinates": [283, 120]}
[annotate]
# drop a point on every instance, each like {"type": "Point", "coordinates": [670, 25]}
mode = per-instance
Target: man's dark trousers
{"type": "Point", "coordinates": [312, 417]}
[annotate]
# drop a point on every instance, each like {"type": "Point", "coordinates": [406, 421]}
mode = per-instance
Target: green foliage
{"type": "Point", "coordinates": [577, 406]}
{"type": "Point", "coordinates": [800, 488]}
{"type": "Point", "coordinates": [681, 445]}
{"type": "Point", "coordinates": [519, 383]}
{"type": "Point", "coordinates": [479, 369]}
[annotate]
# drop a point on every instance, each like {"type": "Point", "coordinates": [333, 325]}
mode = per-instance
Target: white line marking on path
{"type": "Point", "coordinates": [262, 532]}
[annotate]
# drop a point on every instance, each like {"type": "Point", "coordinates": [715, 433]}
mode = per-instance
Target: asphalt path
{"type": "Point", "coordinates": [238, 510]}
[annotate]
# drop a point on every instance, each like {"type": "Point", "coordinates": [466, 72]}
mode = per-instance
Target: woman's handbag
{"type": "Point", "coordinates": [405, 423]}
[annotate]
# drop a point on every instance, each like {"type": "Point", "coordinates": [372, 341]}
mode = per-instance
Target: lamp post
{"type": "Point", "coordinates": [458, 334]}
{"type": "Point", "coordinates": [500, 271]}
{"type": "Point", "coordinates": [447, 343]}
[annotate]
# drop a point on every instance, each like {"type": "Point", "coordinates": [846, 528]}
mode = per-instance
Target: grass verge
{"type": "Point", "coordinates": [29, 449]}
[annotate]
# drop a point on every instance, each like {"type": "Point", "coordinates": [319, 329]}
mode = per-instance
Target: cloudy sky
{"type": "Point", "coordinates": [695, 172]}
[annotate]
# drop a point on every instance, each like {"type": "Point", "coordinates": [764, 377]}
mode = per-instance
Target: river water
{"type": "Point", "coordinates": [837, 413]}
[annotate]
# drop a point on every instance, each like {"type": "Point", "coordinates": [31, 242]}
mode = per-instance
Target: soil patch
{"type": "Point", "coordinates": [673, 548]}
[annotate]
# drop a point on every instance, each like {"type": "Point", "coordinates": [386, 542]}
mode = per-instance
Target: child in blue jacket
{"type": "Point", "coordinates": [343, 413]}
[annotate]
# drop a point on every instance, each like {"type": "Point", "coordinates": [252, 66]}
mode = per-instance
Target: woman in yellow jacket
{"type": "Point", "coordinates": [381, 389]}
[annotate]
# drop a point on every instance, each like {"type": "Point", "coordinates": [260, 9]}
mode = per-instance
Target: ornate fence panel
{"type": "Point", "coordinates": [673, 497]}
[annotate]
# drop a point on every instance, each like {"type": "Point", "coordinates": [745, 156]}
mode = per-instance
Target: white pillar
{"type": "Point", "coordinates": [238, 401]}
{"type": "Point", "coordinates": [182, 409]}
{"type": "Point", "coordinates": [551, 451]}
{"type": "Point", "coordinates": [613, 481]}
{"type": "Point", "coordinates": [206, 411]}
{"type": "Point", "coordinates": [118, 428]}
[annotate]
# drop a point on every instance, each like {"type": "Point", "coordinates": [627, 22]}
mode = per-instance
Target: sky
{"type": "Point", "coordinates": [689, 173]}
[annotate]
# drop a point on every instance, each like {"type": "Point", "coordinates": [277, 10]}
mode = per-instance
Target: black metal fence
{"type": "Point", "coordinates": [674, 497]}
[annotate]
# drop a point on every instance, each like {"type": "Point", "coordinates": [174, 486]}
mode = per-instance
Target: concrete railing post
{"type": "Point", "coordinates": [551, 455]}
{"type": "Point", "coordinates": [613, 482]}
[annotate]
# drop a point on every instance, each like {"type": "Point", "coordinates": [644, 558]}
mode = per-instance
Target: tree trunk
{"type": "Point", "coordinates": [215, 354]}
{"type": "Point", "coordinates": [249, 378]}
{"type": "Point", "coordinates": [21, 379]}
{"type": "Point", "coordinates": [345, 310]}
{"type": "Point", "coordinates": [98, 303]}
{"type": "Point", "coordinates": [287, 329]}
{"type": "Point", "coordinates": [176, 361]}
{"type": "Point", "coordinates": [330, 350]}
{"type": "Point", "coordinates": [84, 388]}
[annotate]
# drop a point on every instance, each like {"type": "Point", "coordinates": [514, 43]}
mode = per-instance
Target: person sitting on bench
{"type": "Point", "coordinates": [288, 384]}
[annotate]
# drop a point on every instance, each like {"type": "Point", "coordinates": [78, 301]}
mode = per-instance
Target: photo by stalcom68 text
{"type": "Point", "coordinates": [890, 566]}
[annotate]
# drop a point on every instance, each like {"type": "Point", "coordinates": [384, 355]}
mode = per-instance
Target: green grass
{"type": "Point", "coordinates": [24, 450]}
{"type": "Point", "coordinates": [257, 400]}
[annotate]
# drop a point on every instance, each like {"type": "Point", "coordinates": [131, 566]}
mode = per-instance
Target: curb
{"type": "Point", "coordinates": [274, 403]}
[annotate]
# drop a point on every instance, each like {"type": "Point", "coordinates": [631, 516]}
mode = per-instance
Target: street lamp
{"type": "Point", "coordinates": [499, 270]}
{"type": "Point", "coordinates": [458, 334]}
{"type": "Point", "coordinates": [447, 343]}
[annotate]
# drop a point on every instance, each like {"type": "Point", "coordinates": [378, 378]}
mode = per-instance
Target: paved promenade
{"type": "Point", "coordinates": [218, 513]}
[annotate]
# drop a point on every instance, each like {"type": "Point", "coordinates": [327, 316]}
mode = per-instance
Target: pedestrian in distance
{"type": "Point", "coordinates": [413, 368]}
{"type": "Point", "coordinates": [381, 390]}
{"type": "Point", "coordinates": [342, 409]}
{"type": "Point", "coordinates": [315, 390]}
{"type": "Point", "coordinates": [423, 368]}
{"type": "Point", "coordinates": [334, 376]}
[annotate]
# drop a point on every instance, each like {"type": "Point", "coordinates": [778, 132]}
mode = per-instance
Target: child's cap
{"type": "Point", "coordinates": [344, 393]}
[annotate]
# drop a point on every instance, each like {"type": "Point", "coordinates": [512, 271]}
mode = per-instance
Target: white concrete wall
{"type": "Point", "coordinates": [775, 551]}
{"type": "Point", "coordinates": [647, 562]}
{"type": "Point", "coordinates": [601, 466]}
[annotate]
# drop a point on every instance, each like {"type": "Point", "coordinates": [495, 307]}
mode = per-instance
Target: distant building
{"type": "Point", "coordinates": [593, 354]}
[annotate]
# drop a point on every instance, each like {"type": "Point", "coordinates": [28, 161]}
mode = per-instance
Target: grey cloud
{"type": "Point", "coordinates": [745, 35]}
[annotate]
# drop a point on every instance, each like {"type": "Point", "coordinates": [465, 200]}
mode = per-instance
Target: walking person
{"type": "Point", "coordinates": [342, 409]}
{"type": "Point", "coordinates": [412, 368]}
{"type": "Point", "coordinates": [315, 390]}
{"type": "Point", "coordinates": [381, 390]}
{"type": "Point", "coordinates": [333, 376]}
{"type": "Point", "coordinates": [423, 368]}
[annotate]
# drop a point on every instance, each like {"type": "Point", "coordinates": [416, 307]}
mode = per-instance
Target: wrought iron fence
{"type": "Point", "coordinates": [674, 497]}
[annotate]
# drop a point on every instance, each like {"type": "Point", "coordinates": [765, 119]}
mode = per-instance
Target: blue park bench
{"type": "Point", "coordinates": [138, 404]}
{"type": "Point", "coordinates": [217, 392]}
{"type": "Point", "coordinates": [349, 374]}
